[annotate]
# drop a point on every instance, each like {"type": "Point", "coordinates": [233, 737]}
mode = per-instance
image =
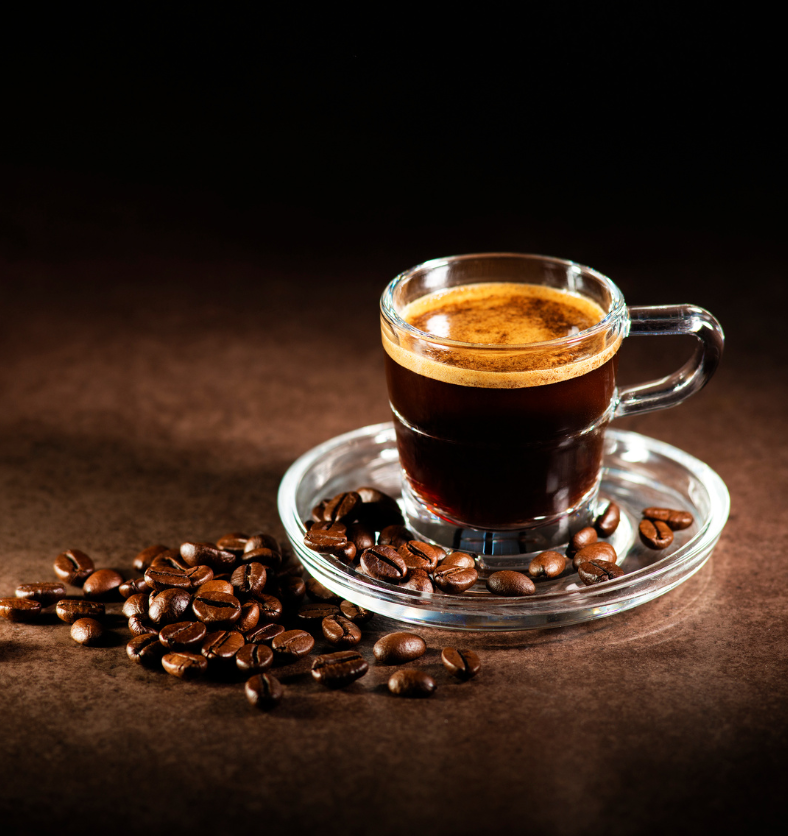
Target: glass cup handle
{"type": "Point", "coordinates": [692, 376]}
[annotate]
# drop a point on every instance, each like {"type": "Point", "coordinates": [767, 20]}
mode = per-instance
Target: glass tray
{"type": "Point", "coordinates": [638, 472]}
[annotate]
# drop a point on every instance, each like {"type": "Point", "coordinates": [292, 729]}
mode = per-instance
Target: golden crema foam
{"type": "Point", "coordinates": [502, 313]}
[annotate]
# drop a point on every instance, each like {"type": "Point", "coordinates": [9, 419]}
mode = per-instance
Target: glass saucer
{"type": "Point", "coordinates": [638, 472]}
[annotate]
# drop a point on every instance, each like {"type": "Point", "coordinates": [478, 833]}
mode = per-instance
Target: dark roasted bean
{"type": "Point", "coordinates": [102, 584]}
{"type": "Point", "coordinates": [168, 606]}
{"type": "Point", "coordinates": [216, 585]}
{"type": "Point", "coordinates": [20, 609]}
{"type": "Point", "coordinates": [362, 536]}
{"type": "Point", "coordinates": [207, 554]}
{"type": "Point", "coordinates": [292, 590]}
{"type": "Point", "coordinates": [292, 644]}
{"type": "Point", "coordinates": [461, 559]}
{"type": "Point", "coordinates": [509, 583]}
{"type": "Point", "coordinates": [264, 633]}
{"type": "Point", "coordinates": [419, 581]}
{"type": "Point", "coordinates": [384, 564]}
{"type": "Point", "coordinates": [254, 658]}
{"type": "Point", "coordinates": [607, 522]}
{"type": "Point", "coordinates": [581, 539]}
{"type": "Point", "coordinates": [326, 540]}
{"type": "Point", "coordinates": [73, 566]}
{"type": "Point", "coordinates": [342, 508]}
{"type": "Point", "coordinates": [271, 609]}
{"type": "Point", "coordinates": [217, 609]}
{"type": "Point", "coordinates": [87, 631]}
{"type": "Point", "coordinates": [358, 615]}
{"type": "Point", "coordinates": [675, 520]}
{"type": "Point", "coordinates": [167, 577]}
{"type": "Point", "coordinates": [378, 510]}
{"type": "Point", "coordinates": [145, 557]}
{"type": "Point", "coordinates": [184, 665]}
{"type": "Point", "coordinates": [397, 648]}
{"type": "Point", "coordinates": [318, 510]}
{"type": "Point", "coordinates": [248, 580]}
{"type": "Point", "coordinates": [249, 617]}
{"type": "Point", "coordinates": [336, 670]}
{"type": "Point", "coordinates": [198, 576]}
{"type": "Point", "coordinates": [411, 682]}
{"type": "Point", "coordinates": [267, 557]}
{"type": "Point", "coordinates": [395, 536]}
{"type": "Point", "coordinates": [145, 649]}
{"type": "Point", "coordinates": [454, 579]}
{"type": "Point", "coordinates": [136, 605]}
{"type": "Point", "coordinates": [418, 555]}
{"type": "Point", "coordinates": [655, 534]}
{"type": "Point", "coordinates": [317, 611]}
{"type": "Point", "coordinates": [45, 593]}
{"type": "Point", "coordinates": [222, 645]}
{"type": "Point", "coordinates": [234, 542]}
{"type": "Point", "coordinates": [139, 626]}
{"type": "Point", "coordinates": [170, 558]}
{"type": "Point", "coordinates": [133, 587]}
{"type": "Point", "coordinates": [461, 663]}
{"type": "Point", "coordinates": [262, 541]}
{"type": "Point", "coordinates": [183, 635]}
{"type": "Point", "coordinates": [317, 592]}
{"type": "Point", "coordinates": [548, 564]}
{"type": "Point", "coordinates": [597, 571]}
{"type": "Point", "coordinates": [70, 609]}
{"type": "Point", "coordinates": [263, 690]}
{"type": "Point", "coordinates": [596, 551]}
{"type": "Point", "coordinates": [341, 631]}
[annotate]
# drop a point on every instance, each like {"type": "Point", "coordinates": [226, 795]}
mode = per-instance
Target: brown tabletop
{"type": "Point", "coordinates": [157, 383]}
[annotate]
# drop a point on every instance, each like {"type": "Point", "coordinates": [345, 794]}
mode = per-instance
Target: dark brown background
{"type": "Point", "coordinates": [197, 218]}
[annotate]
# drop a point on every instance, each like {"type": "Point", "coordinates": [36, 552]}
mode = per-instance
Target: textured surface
{"type": "Point", "coordinates": [155, 387]}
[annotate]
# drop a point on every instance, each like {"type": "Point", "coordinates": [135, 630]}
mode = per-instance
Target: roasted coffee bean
{"type": "Point", "coordinates": [74, 567]}
{"type": "Point", "coordinates": [596, 551]}
{"type": "Point", "coordinates": [262, 541]}
{"type": "Point", "coordinates": [248, 580]}
{"type": "Point", "coordinates": [342, 508]}
{"type": "Point", "coordinates": [383, 563]}
{"type": "Point", "coordinates": [318, 510]}
{"type": "Point", "coordinates": [461, 559]}
{"type": "Point", "coordinates": [139, 626]}
{"type": "Point", "coordinates": [136, 605]}
{"type": "Point", "coordinates": [418, 555]}
{"type": "Point", "coordinates": [186, 666]}
{"type": "Point", "coordinates": [70, 609]}
{"type": "Point", "coordinates": [412, 682]}
{"type": "Point", "coordinates": [326, 540]}
{"type": "Point", "coordinates": [167, 577]}
{"type": "Point", "coordinates": [133, 587]}
{"type": "Point", "coordinates": [169, 606]}
{"type": "Point", "coordinates": [581, 539]}
{"type": "Point", "coordinates": [249, 617]}
{"type": "Point", "coordinates": [336, 670]}
{"type": "Point", "coordinates": [20, 609]}
{"type": "Point", "coordinates": [362, 536]}
{"type": "Point", "coordinates": [264, 634]}
{"type": "Point", "coordinates": [45, 593]}
{"type": "Point", "coordinates": [317, 611]}
{"type": "Point", "coordinates": [198, 576]}
{"type": "Point", "coordinates": [395, 536]}
{"type": "Point", "coordinates": [347, 554]}
{"type": "Point", "coordinates": [254, 658]}
{"type": "Point", "coordinates": [234, 542]}
{"type": "Point", "coordinates": [341, 631]}
{"type": "Point", "coordinates": [145, 557]}
{"type": "Point", "coordinates": [317, 592]}
{"type": "Point", "coordinates": [222, 645]}
{"type": "Point", "coordinates": [398, 648]}
{"type": "Point", "coordinates": [101, 584]}
{"type": "Point", "coordinates": [87, 631]}
{"type": "Point", "coordinates": [454, 579]}
{"type": "Point", "coordinates": [216, 585]}
{"type": "Point", "coordinates": [419, 581]}
{"type": "Point", "coordinates": [655, 534]}
{"type": "Point", "coordinates": [291, 590]}
{"type": "Point", "coordinates": [358, 615]}
{"type": "Point", "coordinates": [217, 609]}
{"type": "Point", "coordinates": [170, 558]}
{"type": "Point", "coordinates": [263, 690]}
{"type": "Point", "coordinates": [675, 520]}
{"type": "Point", "coordinates": [271, 609]}
{"type": "Point", "coordinates": [548, 564]}
{"type": "Point", "coordinates": [461, 663]}
{"type": "Point", "coordinates": [183, 635]}
{"type": "Point", "coordinates": [145, 649]}
{"type": "Point", "coordinates": [510, 583]}
{"type": "Point", "coordinates": [597, 571]}
{"type": "Point", "coordinates": [378, 510]}
{"type": "Point", "coordinates": [607, 522]}
{"type": "Point", "coordinates": [269, 558]}
{"type": "Point", "coordinates": [292, 644]}
{"type": "Point", "coordinates": [207, 554]}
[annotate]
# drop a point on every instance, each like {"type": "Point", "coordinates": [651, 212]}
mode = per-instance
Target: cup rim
{"type": "Point", "coordinates": [387, 309]}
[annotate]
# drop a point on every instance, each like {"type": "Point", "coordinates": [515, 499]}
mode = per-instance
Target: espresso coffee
{"type": "Point", "coordinates": [483, 436]}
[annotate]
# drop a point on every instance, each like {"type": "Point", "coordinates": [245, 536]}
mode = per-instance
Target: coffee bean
{"type": "Point", "coordinates": [336, 670]}
{"type": "Point", "coordinates": [454, 579]}
{"type": "Point", "coordinates": [598, 571]}
{"type": "Point", "coordinates": [133, 587]}
{"type": "Point", "coordinates": [291, 590]}
{"type": "Point", "coordinates": [234, 542]}
{"type": "Point", "coordinates": [411, 682]}
{"type": "Point", "coordinates": [267, 557]}
{"type": "Point", "coordinates": [136, 605]}
{"type": "Point", "coordinates": [461, 559]}
{"type": "Point", "coordinates": [207, 554]}
{"type": "Point", "coordinates": [73, 566]}
{"type": "Point", "coordinates": [655, 534]}
{"type": "Point", "coordinates": [596, 551]}
{"type": "Point", "coordinates": [271, 609]}
{"type": "Point", "coordinates": [145, 649]}
{"type": "Point", "coordinates": [139, 626]}
{"type": "Point", "coordinates": [263, 690]}
{"type": "Point", "coordinates": [317, 611]}
{"type": "Point", "coordinates": [317, 592]}
{"type": "Point", "coordinates": [378, 510]}
{"type": "Point", "coordinates": [169, 606]}
{"type": "Point", "coordinates": [45, 593]}
{"type": "Point", "coordinates": [318, 510]}
{"type": "Point", "coordinates": [254, 658]}
{"type": "Point", "coordinates": [222, 645]}
{"type": "Point", "coordinates": [361, 535]}
{"type": "Point", "coordinates": [292, 644]}
{"type": "Point", "coordinates": [395, 536]}
{"type": "Point", "coordinates": [418, 555]}
{"type": "Point", "coordinates": [383, 563]}
{"type": "Point", "coordinates": [675, 520]}
{"type": "Point", "coordinates": [510, 583]}
{"type": "Point", "coordinates": [264, 633]}
{"type": "Point", "coordinates": [216, 585]}
{"type": "Point", "coordinates": [347, 554]}
{"type": "Point", "coordinates": [581, 539]}
{"type": "Point", "coordinates": [70, 609]}
{"type": "Point", "coordinates": [170, 558]}
{"type": "Point", "coordinates": [262, 541]}
{"type": "Point", "coordinates": [607, 522]}
{"type": "Point", "coordinates": [248, 580]}
{"type": "Point", "coordinates": [87, 631]}
{"type": "Point", "coordinates": [216, 608]}
{"type": "Point", "coordinates": [145, 557]}
{"type": "Point", "coordinates": [183, 635]}
{"type": "Point", "coordinates": [358, 615]}
{"type": "Point", "coordinates": [249, 617]}
{"type": "Point", "coordinates": [398, 648]}
{"type": "Point", "coordinates": [326, 539]}
{"type": "Point", "coordinates": [101, 584]}
{"type": "Point", "coordinates": [20, 609]}
{"type": "Point", "coordinates": [342, 508]}
{"type": "Point", "coordinates": [167, 577]}
{"type": "Point", "coordinates": [463, 664]}
{"type": "Point", "coordinates": [186, 666]}
{"type": "Point", "coordinates": [198, 576]}
{"type": "Point", "coordinates": [341, 631]}
{"type": "Point", "coordinates": [419, 581]}
{"type": "Point", "coordinates": [548, 564]}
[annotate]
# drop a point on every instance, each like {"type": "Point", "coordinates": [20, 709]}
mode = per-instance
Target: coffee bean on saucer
{"type": "Point", "coordinates": [145, 557]}
{"type": "Point", "coordinates": [463, 664]}
{"type": "Point", "coordinates": [596, 551]}
{"type": "Point", "coordinates": [292, 644]}
{"type": "Point", "coordinates": [411, 682]}
{"type": "Point", "coordinates": [548, 564]}
{"type": "Point", "coordinates": [317, 511]}
{"type": "Point", "coordinates": [336, 670]}
{"type": "Point", "coordinates": [45, 593]}
{"type": "Point", "coordinates": [20, 609]}
{"type": "Point", "coordinates": [326, 538]}
{"type": "Point", "coordinates": [87, 631]}
{"type": "Point", "coordinates": [461, 559]}
{"type": "Point", "coordinates": [254, 658]}
{"type": "Point", "coordinates": [398, 648]}
{"type": "Point", "coordinates": [454, 579]}
{"type": "Point", "coordinates": [183, 635]}
{"type": "Point", "coordinates": [265, 633]}
{"type": "Point", "coordinates": [418, 555]}
{"type": "Point", "coordinates": [317, 611]}
{"type": "Point", "coordinates": [509, 583]}
{"type": "Point", "coordinates": [341, 631]}
{"type": "Point", "coordinates": [598, 571]}
{"type": "Point", "coordinates": [581, 539]}
{"type": "Point", "coordinates": [71, 609]}
{"type": "Point", "coordinates": [675, 520]}
{"type": "Point", "coordinates": [249, 617]}
{"type": "Point", "coordinates": [145, 649]}
{"type": "Point", "coordinates": [655, 534]}
{"type": "Point", "coordinates": [358, 615]}
{"type": "Point", "coordinates": [419, 581]}
{"type": "Point", "coordinates": [342, 508]}
{"type": "Point", "coordinates": [607, 522]}
{"type": "Point", "coordinates": [263, 691]}
{"type": "Point", "coordinates": [361, 535]}
{"type": "Point", "coordinates": [222, 645]}
{"type": "Point", "coordinates": [139, 626]}
{"type": "Point", "coordinates": [186, 666]}
{"type": "Point", "coordinates": [73, 566]}
{"type": "Point", "coordinates": [378, 510]}
{"type": "Point", "coordinates": [395, 535]}
{"type": "Point", "coordinates": [133, 587]}
{"type": "Point", "coordinates": [383, 563]}
{"type": "Point", "coordinates": [135, 605]}
{"type": "Point", "coordinates": [216, 609]}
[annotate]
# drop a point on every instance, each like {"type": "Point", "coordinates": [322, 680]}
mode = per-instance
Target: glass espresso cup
{"type": "Point", "coordinates": [501, 442]}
